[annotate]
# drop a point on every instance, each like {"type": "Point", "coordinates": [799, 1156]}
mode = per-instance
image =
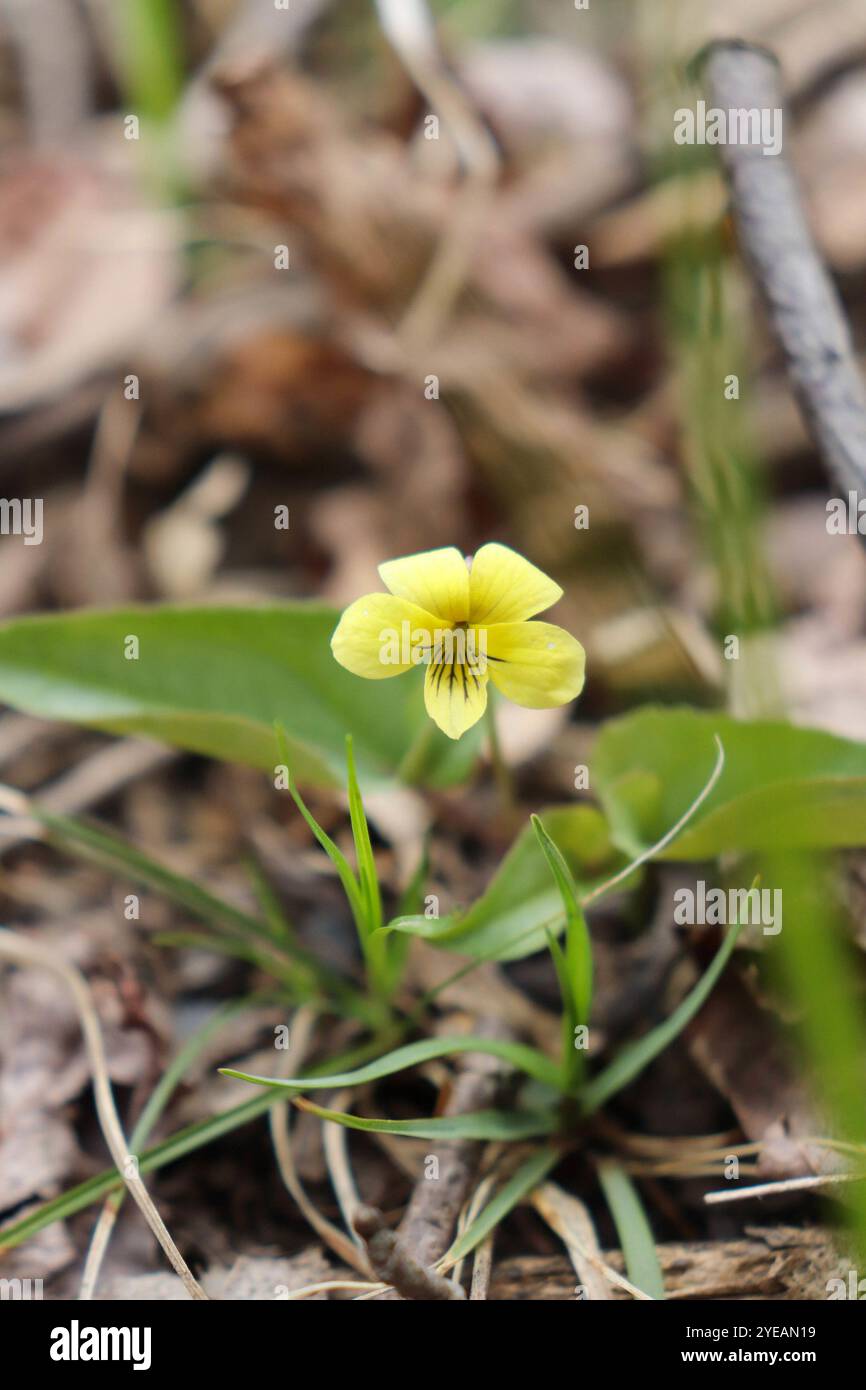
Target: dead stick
{"type": "Point", "coordinates": [804, 308]}
{"type": "Point", "coordinates": [435, 1204]}
{"type": "Point", "coordinates": [391, 1261]}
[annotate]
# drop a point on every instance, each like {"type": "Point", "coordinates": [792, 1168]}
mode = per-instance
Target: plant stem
{"type": "Point", "coordinates": [414, 762]}
{"type": "Point", "coordinates": [501, 770]}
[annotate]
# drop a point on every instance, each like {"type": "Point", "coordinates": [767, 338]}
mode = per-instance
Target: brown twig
{"type": "Point", "coordinates": [22, 951]}
{"type": "Point", "coordinates": [392, 1262]}
{"type": "Point", "coordinates": [804, 308]}
{"type": "Point", "coordinates": [435, 1205]}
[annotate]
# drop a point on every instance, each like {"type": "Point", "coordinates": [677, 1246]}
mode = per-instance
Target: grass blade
{"type": "Point", "coordinates": [530, 1173]}
{"type": "Point", "coordinates": [633, 1228]}
{"type": "Point", "coordinates": [480, 1124]}
{"type": "Point", "coordinates": [631, 1060]}
{"type": "Point", "coordinates": [347, 878]}
{"type": "Point", "coordinates": [176, 1146]}
{"type": "Point", "coordinates": [527, 1059]}
{"type": "Point", "coordinates": [571, 1061]}
{"type": "Point", "coordinates": [578, 946]}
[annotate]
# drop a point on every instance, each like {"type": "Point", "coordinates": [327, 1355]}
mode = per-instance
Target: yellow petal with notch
{"type": "Point", "coordinates": [436, 580]}
{"type": "Point", "coordinates": [537, 665]}
{"type": "Point", "coordinates": [455, 696]}
{"type": "Point", "coordinates": [377, 634]}
{"type": "Point", "coordinates": [505, 588]}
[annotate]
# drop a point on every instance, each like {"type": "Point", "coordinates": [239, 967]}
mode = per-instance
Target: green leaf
{"type": "Point", "coordinates": [349, 883]}
{"type": "Point", "coordinates": [214, 680]}
{"type": "Point", "coordinates": [522, 1057]}
{"type": "Point", "coordinates": [368, 878]}
{"type": "Point", "coordinates": [578, 946]}
{"type": "Point", "coordinates": [571, 1068]}
{"type": "Point", "coordinates": [527, 1177]}
{"type": "Point", "coordinates": [781, 787]}
{"type": "Point", "coordinates": [151, 52]}
{"type": "Point", "coordinates": [522, 902]}
{"type": "Point", "coordinates": [631, 1060]}
{"type": "Point", "coordinates": [633, 1228]}
{"type": "Point", "coordinates": [482, 1124]}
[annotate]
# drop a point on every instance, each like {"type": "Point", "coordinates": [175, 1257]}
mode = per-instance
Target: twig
{"type": "Point", "coordinates": [56, 72]}
{"type": "Point", "coordinates": [23, 952]}
{"type": "Point", "coordinates": [301, 1030]}
{"type": "Point", "coordinates": [101, 775]}
{"type": "Point", "coordinates": [335, 1144]}
{"type": "Point", "coordinates": [769, 1189]}
{"type": "Point", "coordinates": [409, 28]}
{"type": "Point", "coordinates": [568, 1218]}
{"type": "Point", "coordinates": [391, 1260]}
{"type": "Point", "coordinates": [804, 308]}
{"type": "Point", "coordinates": [435, 1204]}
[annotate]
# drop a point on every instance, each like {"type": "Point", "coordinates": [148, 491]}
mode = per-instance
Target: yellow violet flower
{"type": "Point", "coordinates": [467, 621]}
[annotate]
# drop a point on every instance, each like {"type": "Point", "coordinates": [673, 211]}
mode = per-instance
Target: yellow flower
{"type": "Point", "coordinates": [466, 621]}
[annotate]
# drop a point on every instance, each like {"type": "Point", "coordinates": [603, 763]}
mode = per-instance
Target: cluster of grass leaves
{"type": "Point", "coordinates": [780, 790]}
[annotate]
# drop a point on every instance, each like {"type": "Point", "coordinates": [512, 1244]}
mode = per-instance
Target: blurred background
{"type": "Point", "coordinates": [246, 265]}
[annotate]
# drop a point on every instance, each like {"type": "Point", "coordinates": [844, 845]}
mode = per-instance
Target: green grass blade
{"type": "Point", "coordinates": [631, 1060]}
{"type": "Point", "coordinates": [347, 878]}
{"type": "Point", "coordinates": [176, 1146]}
{"type": "Point", "coordinates": [281, 929]}
{"type": "Point", "coordinates": [367, 876]}
{"type": "Point", "coordinates": [524, 1058]}
{"type": "Point", "coordinates": [481, 1124]}
{"type": "Point", "coordinates": [114, 854]}
{"type": "Point", "coordinates": [570, 1061]}
{"type": "Point", "coordinates": [152, 55]}
{"type": "Point", "coordinates": [519, 1185]}
{"type": "Point", "coordinates": [578, 945]}
{"type": "Point", "coordinates": [633, 1228]}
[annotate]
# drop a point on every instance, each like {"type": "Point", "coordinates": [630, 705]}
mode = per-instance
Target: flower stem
{"type": "Point", "coordinates": [501, 770]}
{"type": "Point", "coordinates": [415, 759]}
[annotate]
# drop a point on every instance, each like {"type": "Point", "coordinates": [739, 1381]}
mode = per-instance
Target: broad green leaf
{"type": "Point", "coordinates": [522, 901]}
{"type": "Point", "coordinates": [633, 1228]}
{"type": "Point", "coordinates": [524, 1058]}
{"type": "Point", "coordinates": [214, 680]}
{"type": "Point", "coordinates": [631, 1060]}
{"type": "Point", "coordinates": [781, 787]}
{"type": "Point", "coordinates": [482, 1124]}
{"type": "Point", "coordinates": [527, 1177]}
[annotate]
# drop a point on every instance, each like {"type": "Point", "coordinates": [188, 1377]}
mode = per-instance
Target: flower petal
{"type": "Point", "coordinates": [437, 580]}
{"type": "Point", "coordinates": [455, 695]}
{"type": "Point", "coordinates": [537, 665]}
{"type": "Point", "coordinates": [376, 631]}
{"type": "Point", "coordinates": [505, 588]}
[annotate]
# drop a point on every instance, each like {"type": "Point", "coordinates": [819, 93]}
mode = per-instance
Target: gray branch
{"type": "Point", "coordinates": [804, 308]}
